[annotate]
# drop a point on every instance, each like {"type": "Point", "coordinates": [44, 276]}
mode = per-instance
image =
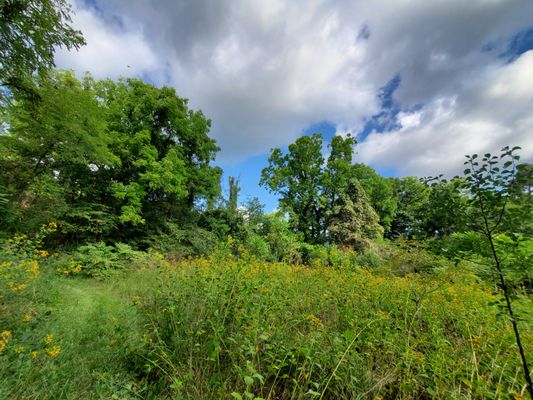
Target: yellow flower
{"type": "Point", "coordinates": [315, 321]}
{"type": "Point", "coordinates": [4, 340]}
{"type": "Point", "coordinates": [33, 354]}
{"type": "Point", "coordinates": [27, 317]}
{"type": "Point", "coordinates": [42, 253]}
{"type": "Point", "coordinates": [53, 351]}
{"type": "Point", "coordinates": [48, 339]}
{"type": "Point", "coordinates": [19, 349]}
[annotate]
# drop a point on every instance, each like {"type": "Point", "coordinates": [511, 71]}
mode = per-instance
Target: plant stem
{"type": "Point", "coordinates": [505, 289]}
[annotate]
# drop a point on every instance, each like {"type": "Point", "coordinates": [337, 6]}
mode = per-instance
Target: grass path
{"type": "Point", "coordinates": [95, 327]}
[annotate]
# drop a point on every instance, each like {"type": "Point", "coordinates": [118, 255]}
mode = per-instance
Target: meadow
{"type": "Point", "coordinates": [241, 328]}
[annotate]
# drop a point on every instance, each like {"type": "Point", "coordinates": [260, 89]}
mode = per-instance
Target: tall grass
{"type": "Point", "coordinates": [226, 328]}
{"type": "Point", "coordinates": [257, 330]}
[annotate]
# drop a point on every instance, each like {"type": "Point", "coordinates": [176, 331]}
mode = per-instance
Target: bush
{"type": "Point", "coordinates": [180, 242]}
{"type": "Point", "coordinates": [258, 247]}
{"type": "Point", "coordinates": [472, 247]}
{"type": "Point", "coordinates": [96, 260]}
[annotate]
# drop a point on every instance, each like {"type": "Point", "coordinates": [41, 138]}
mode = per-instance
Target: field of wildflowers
{"type": "Point", "coordinates": [241, 328]}
{"type": "Point", "coordinates": [271, 331]}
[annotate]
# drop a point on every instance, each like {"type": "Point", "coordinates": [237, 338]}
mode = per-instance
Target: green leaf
{"type": "Point", "coordinates": [248, 380]}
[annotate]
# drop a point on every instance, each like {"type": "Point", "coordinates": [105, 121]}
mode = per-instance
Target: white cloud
{"type": "Point", "coordinates": [486, 116]}
{"type": "Point", "coordinates": [111, 51]}
{"type": "Point", "coordinates": [266, 70]}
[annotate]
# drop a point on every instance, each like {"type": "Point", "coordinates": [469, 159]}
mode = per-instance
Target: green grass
{"type": "Point", "coordinates": [225, 328]}
{"type": "Point", "coordinates": [94, 327]}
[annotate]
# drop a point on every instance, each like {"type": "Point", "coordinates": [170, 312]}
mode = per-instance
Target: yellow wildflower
{"type": "Point", "coordinates": [33, 354]}
{"type": "Point", "coordinates": [4, 340]}
{"type": "Point", "coordinates": [48, 339]}
{"type": "Point", "coordinates": [315, 321]}
{"type": "Point", "coordinates": [53, 351]}
{"type": "Point", "coordinates": [27, 317]}
{"type": "Point", "coordinates": [19, 349]}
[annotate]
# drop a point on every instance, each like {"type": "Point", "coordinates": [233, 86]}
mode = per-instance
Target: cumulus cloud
{"type": "Point", "coordinates": [484, 116]}
{"type": "Point", "coordinates": [264, 71]}
{"type": "Point", "coordinates": [113, 50]}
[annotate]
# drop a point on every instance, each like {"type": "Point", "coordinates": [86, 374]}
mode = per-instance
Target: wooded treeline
{"type": "Point", "coordinates": [125, 161]}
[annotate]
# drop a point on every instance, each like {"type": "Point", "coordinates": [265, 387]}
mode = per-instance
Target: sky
{"type": "Point", "coordinates": [419, 83]}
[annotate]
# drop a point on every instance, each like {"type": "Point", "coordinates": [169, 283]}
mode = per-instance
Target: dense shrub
{"type": "Point", "coordinates": [96, 260]}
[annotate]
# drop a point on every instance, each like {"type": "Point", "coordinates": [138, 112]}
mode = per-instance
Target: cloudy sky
{"type": "Point", "coordinates": [421, 83]}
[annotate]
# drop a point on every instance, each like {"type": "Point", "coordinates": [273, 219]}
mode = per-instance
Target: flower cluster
{"type": "Point", "coordinates": [4, 340]}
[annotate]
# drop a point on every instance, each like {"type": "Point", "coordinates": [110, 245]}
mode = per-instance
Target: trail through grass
{"type": "Point", "coordinates": [94, 327]}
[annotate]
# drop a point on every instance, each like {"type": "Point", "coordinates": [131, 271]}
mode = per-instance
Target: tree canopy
{"type": "Point", "coordinates": [29, 32]}
{"type": "Point", "coordinates": [324, 200]}
{"type": "Point", "coordinates": [110, 154]}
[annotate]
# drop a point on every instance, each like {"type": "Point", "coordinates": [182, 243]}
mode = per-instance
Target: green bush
{"type": "Point", "coordinates": [180, 242]}
{"type": "Point", "coordinates": [96, 260]}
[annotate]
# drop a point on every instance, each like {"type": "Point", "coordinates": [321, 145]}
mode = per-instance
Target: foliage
{"type": "Point", "coordinates": [19, 261]}
{"type": "Point", "coordinates": [29, 32]}
{"type": "Point", "coordinates": [223, 327]}
{"type": "Point", "coordinates": [413, 199]}
{"type": "Point", "coordinates": [283, 243]}
{"type": "Point", "coordinates": [183, 241]}
{"type": "Point", "coordinates": [96, 260]}
{"type": "Point", "coordinates": [50, 148]}
{"type": "Point", "coordinates": [298, 178]}
{"type": "Point", "coordinates": [319, 196]}
{"type": "Point", "coordinates": [444, 213]}
{"type": "Point", "coordinates": [380, 193]}
{"type": "Point", "coordinates": [352, 220]}
{"type": "Point", "coordinates": [493, 184]}
{"type": "Point", "coordinates": [117, 159]}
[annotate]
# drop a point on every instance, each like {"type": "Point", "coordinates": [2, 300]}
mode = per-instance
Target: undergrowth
{"type": "Point", "coordinates": [238, 328]}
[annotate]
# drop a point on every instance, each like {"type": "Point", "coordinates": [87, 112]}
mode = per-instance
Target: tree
{"type": "Point", "coordinates": [380, 192]}
{"type": "Point", "coordinates": [412, 197]}
{"type": "Point", "coordinates": [116, 159]}
{"type": "Point", "coordinates": [352, 220]}
{"type": "Point", "coordinates": [319, 195]}
{"type": "Point", "coordinates": [234, 190]}
{"type": "Point", "coordinates": [443, 214]}
{"type": "Point", "coordinates": [494, 183]}
{"type": "Point", "coordinates": [164, 151]}
{"type": "Point", "coordinates": [51, 149]}
{"type": "Point", "coordinates": [298, 178]}
{"type": "Point", "coordinates": [29, 32]}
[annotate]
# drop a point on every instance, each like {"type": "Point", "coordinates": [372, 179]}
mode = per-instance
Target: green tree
{"type": "Point", "coordinates": [319, 195]}
{"type": "Point", "coordinates": [380, 192]}
{"type": "Point", "coordinates": [234, 190]}
{"type": "Point", "coordinates": [51, 148]}
{"type": "Point", "coordinates": [164, 151]}
{"type": "Point", "coordinates": [116, 159]}
{"type": "Point", "coordinates": [29, 32]}
{"type": "Point", "coordinates": [494, 183]}
{"type": "Point", "coordinates": [444, 212]}
{"type": "Point", "coordinates": [298, 178]}
{"type": "Point", "coordinates": [352, 221]}
{"type": "Point", "coordinates": [413, 198]}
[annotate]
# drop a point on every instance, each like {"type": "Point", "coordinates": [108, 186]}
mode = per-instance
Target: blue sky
{"type": "Point", "coordinates": [419, 83]}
